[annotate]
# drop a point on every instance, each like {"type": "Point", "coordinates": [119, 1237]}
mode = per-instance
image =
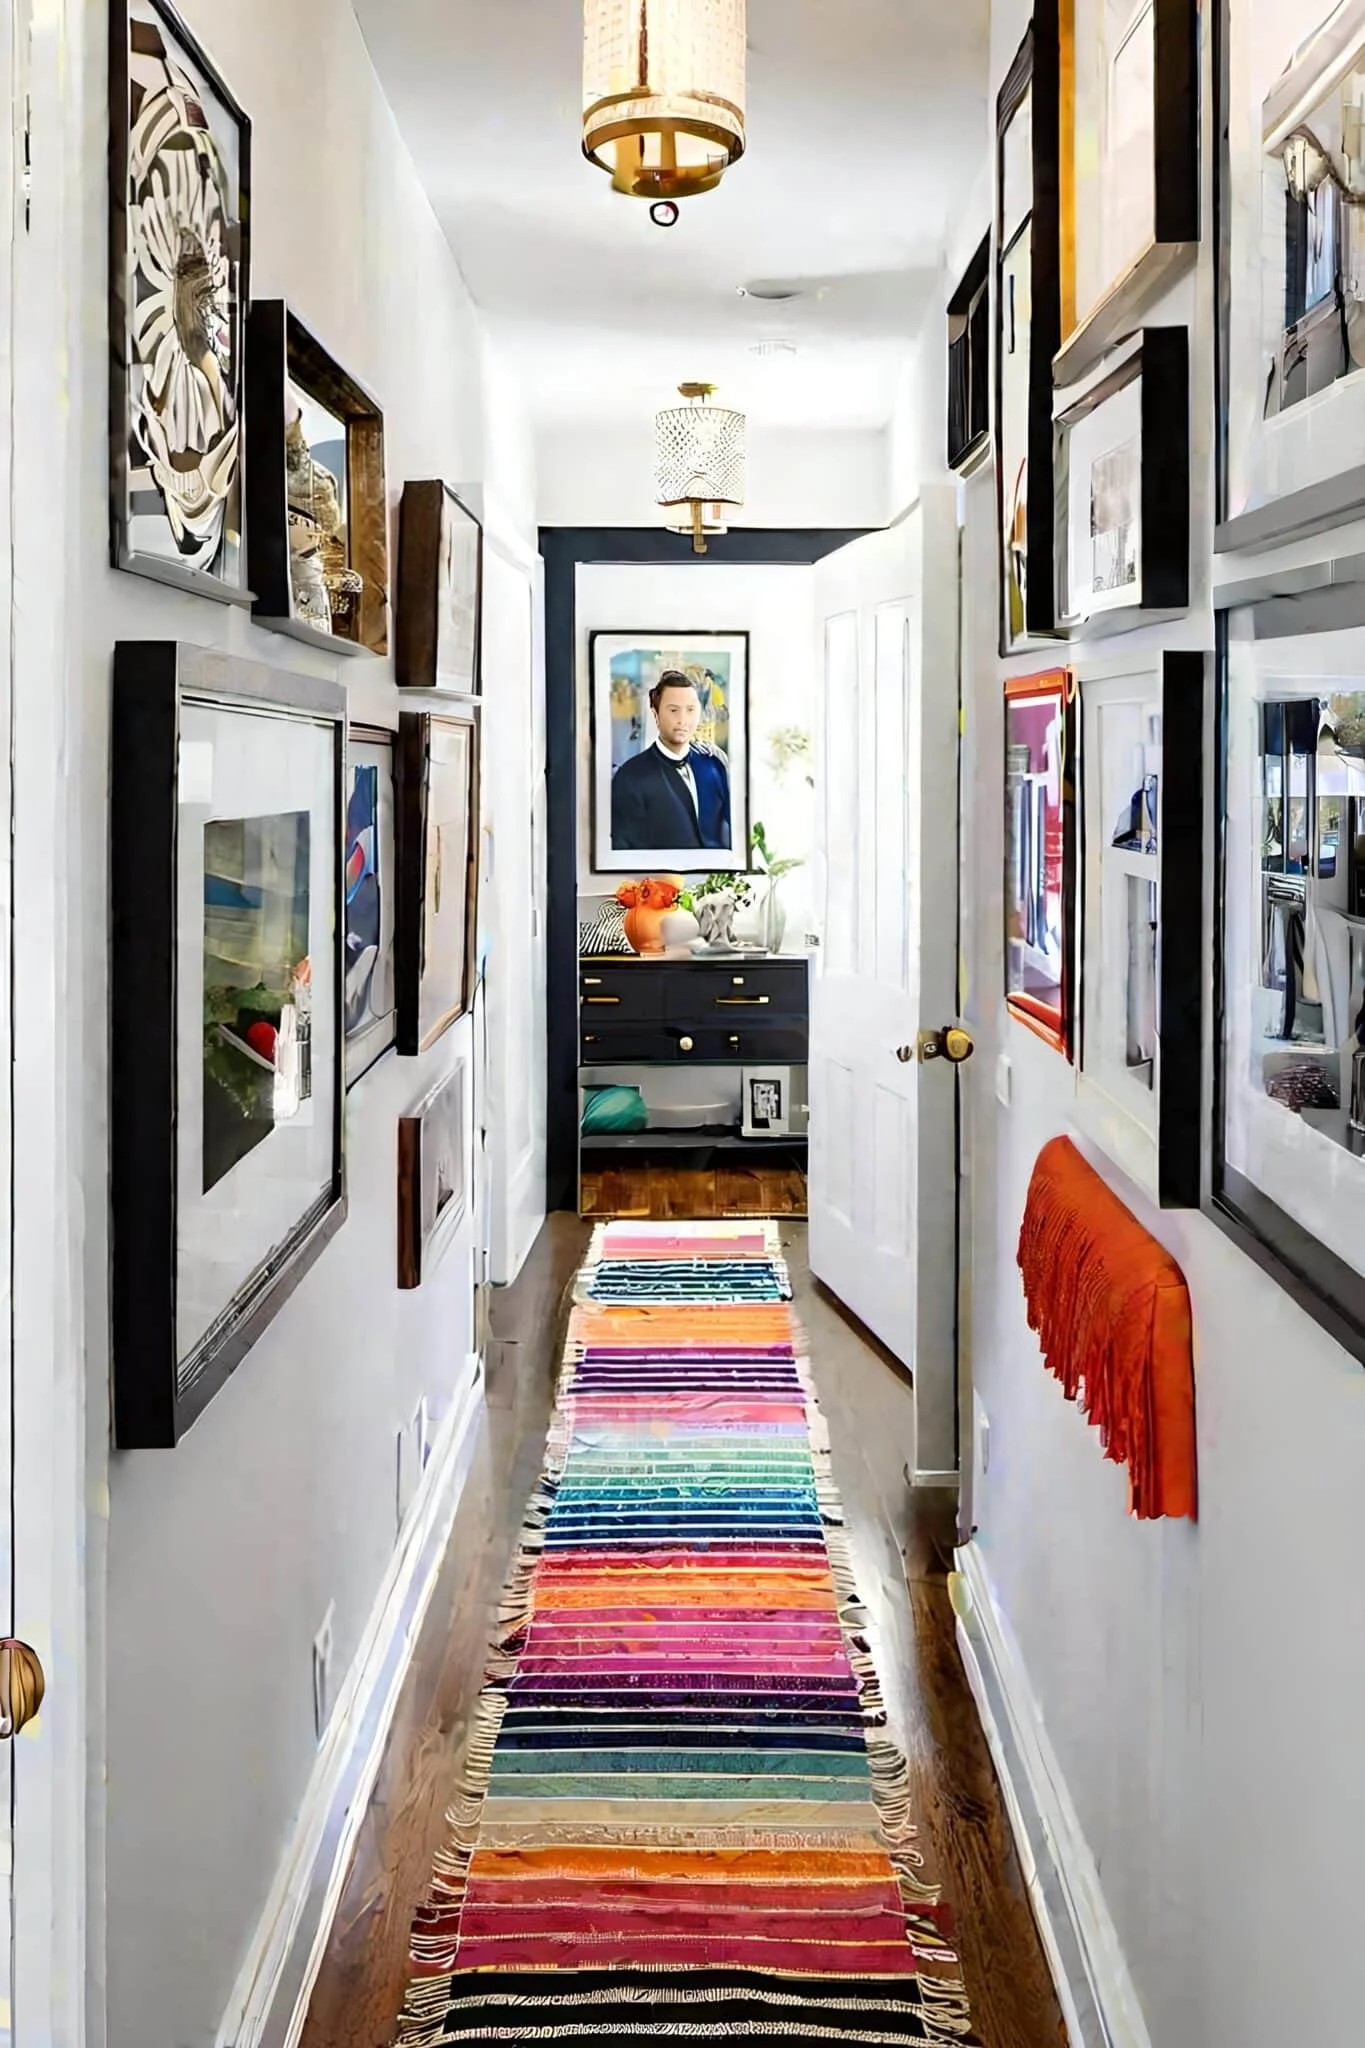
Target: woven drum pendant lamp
{"type": "Point", "coordinates": [663, 92]}
{"type": "Point", "coordinates": [698, 463]}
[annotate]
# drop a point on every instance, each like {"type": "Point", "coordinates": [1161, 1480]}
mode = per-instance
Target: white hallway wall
{"type": "Point", "coordinates": [208, 1569]}
{"type": "Point", "coordinates": [1200, 1687]}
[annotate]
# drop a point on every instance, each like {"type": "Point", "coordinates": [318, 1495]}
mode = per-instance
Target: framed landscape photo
{"type": "Point", "coordinates": [318, 532]}
{"type": "Point", "coordinates": [438, 838]}
{"type": "Point", "coordinates": [433, 1178]}
{"type": "Point", "coordinates": [1123, 486]}
{"type": "Point", "coordinates": [1040, 853]}
{"type": "Point", "coordinates": [669, 760]}
{"type": "Point", "coordinates": [227, 1058]}
{"type": "Point", "coordinates": [439, 634]}
{"type": "Point", "coordinates": [371, 1016]}
{"type": "Point", "coordinates": [179, 283]}
{"type": "Point", "coordinates": [1129, 155]}
{"type": "Point", "coordinates": [1027, 328]}
{"type": "Point", "coordinates": [1291, 254]}
{"type": "Point", "coordinates": [1288, 1177]}
{"type": "Point", "coordinates": [1140, 1043]}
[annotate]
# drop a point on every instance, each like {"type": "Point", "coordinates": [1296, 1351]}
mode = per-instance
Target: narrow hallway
{"type": "Point", "coordinates": [901, 1544]}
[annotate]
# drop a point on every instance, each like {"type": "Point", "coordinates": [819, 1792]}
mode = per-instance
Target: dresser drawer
{"type": "Point", "coordinates": [752, 1044]}
{"type": "Point", "coordinates": [605, 1042]}
{"type": "Point", "coordinates": [623, 994]}
{"type": "Point", "coordinates": [741, 991]}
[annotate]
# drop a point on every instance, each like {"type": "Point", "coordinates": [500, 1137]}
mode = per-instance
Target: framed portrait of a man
{"type": "Point", "coordinates": [669, 757]}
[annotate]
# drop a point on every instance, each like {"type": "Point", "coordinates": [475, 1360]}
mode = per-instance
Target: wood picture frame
{"type": "Point", "coordinates": [1040, 854]}
{"type": "Point", "coordinates": [285, 363]}
{"type": "Point", "coordinates": [969, 352]}
{"type": "Point", "coordinates": [1122, 467]}
{"type": "Point", "coordinates": [433, 1177]}
{"type": "Point", "coordinates": [438, 837]}
{"type": "Point", "coordinates": [1027, 331]}
{"type": "Point", "coordinates": [1117, 256]}
{"type": "Point", "coordinates": [1287, 1170]}
{"type": "Point", "coordinates": [438, 641]}
{"type": "Point", "coordinates": [171, 519]}
{"type": "Point", "coordinates": [227, 1135]}
{"type": "Point", "coordinates": [1141, 975]}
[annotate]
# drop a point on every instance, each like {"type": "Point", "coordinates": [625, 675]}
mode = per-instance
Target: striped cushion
{"type": "Point", "coordinates": [605, 933]}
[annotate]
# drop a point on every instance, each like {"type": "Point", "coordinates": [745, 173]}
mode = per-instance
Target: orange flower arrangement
{"type": "Point", "coordinates": [646, 904]}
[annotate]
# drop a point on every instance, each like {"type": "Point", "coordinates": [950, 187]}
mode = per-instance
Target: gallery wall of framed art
{"type": "Point", "coordinates": [1141, 974]}
{"type": "Point", "coordinates": [179, 214]}
{"type": "Point", "coordinates": [438, 843]}
{"type": "Point", "coordinates": [1291, 230]}
{"type": "Point", "coordinates": [227, 984]}
{"type": "Point", "coordinates": [1040, 853]}
{"type": "Point", "coordinates": [439, 633]}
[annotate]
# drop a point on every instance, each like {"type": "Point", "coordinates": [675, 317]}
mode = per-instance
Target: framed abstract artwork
{"type": "Point", "coordinates": [1291, 252]}
{"type": "Point", "coordinates": [1129, 156]}
{"type": "Point", "coordinates": [669, 759]}
{"type": "Point", "coordinates": [1140, 1042]}
{"type": "Point", "coordinates": [316, 506]}
{"type": "Point", "coordinates": [438, 639]}
{"type": "Point", "coordinates": [969, 354]}
{"type": "Point", "coordinates": [1040, 853]}
{"type": "Point", "coordinates": [371, 899]}
{"type": "Point", "coordinates": [433, 1177]}
{"type": "Point", "coordinates": [1027, 328]}
{"type": "Point", "coordinates": [227, 1060]}
{"type": "Point", "coordinates": [1123, 486]}
{"type": "Point", "coordinates": [179, 281]}
{"type": "Point", "coordinates": [438, 840]}
{"type": "Point", "coordinates": [1288, 1177]}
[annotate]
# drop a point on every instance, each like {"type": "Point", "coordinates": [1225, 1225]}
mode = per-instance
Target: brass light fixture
{"type": "Point", "coordinates": [699, 453]}
{"type": "Point", "coordinates": [663, 92]}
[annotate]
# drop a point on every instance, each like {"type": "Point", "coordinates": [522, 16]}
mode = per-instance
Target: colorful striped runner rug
{"type": "Point", "coordinates": [681, 1815]}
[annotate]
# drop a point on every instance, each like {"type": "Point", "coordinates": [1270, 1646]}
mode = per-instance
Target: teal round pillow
{"type": "Point", "coordinates": [615, 1110]}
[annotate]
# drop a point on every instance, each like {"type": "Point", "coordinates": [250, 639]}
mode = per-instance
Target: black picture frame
{"type": "Point", "coordinates": [1322, 1283]}
{"type": "Point", "coordinates": [225, 574]}
{"type": "Point", "coordinates": [1175, 188]}
{"type": "Point", "coordinates": [424, 509]}
{"type": "Point", "coordinates": [1159, 358]}
{"type": "Point", "coordinates": [416, 966]}
{"type": "Point", "coordinates": [672, 859]}
{"type": "Point", "coordinates": [969, 351]}
{"type": "Point", "coordinates": [1032, 75]}
{"type": "Point", "coordinates": [157, 1396]}
{"type": "Point", "coordinates": [282, 352]}
{"type": "Point", "coordinates": [1178, 1138]}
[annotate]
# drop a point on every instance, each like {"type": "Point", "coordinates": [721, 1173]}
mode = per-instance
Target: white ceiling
{"type": "Point", "coordinates": [866, 122]}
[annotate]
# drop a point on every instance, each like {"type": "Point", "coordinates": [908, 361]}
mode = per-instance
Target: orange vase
{"type": "Point", "coordinates": [644, 928]}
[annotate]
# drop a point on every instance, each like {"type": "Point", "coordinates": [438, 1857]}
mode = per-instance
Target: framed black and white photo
{"type": "Point", "coordinates": [371, 897]}
{"type": "Point", "coordinates": [433, 1178]}
{"type": "Point", "coordinates": [438, 639]}
{"type": "Point", "coordinates": [438, 840]}
{"type": "Point", "coordinates": [1288, 1177]}
{"type": "Point", "coordinates": [1123, 486]}
{"type": "Point", "coordinates": [1291, 253]}
{"type": "Point", "coordinates": [179, 281]}
{"type": "Point", "coordinates": [773, 1102]}
{"type": "Point", "coordinates": [1141, 913]}
{"type": "Point", "coordinates": [1027, 330]}
{"type": "Point", "coordinates": [226, 1004]}
{"type": "Point", "coordinates": [670, 751]}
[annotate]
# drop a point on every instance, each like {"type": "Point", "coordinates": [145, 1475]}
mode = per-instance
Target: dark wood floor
{"type": "Point", "coordinates": [654, 1189]}
{"type": "Point", "coordinates": [902, 1547]}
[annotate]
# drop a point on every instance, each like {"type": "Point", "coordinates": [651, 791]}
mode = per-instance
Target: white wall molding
{"type": "Point", "coordinates": [270, 1999]}
{"type": "Point", "coordinates": [1098, 2000]}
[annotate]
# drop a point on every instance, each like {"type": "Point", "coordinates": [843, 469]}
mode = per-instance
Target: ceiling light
{"type": "Point", "coordinates": [663, 92]}
{"type": "Point", "coordinates": [771, 294]}
{"type": "Point", "coordinates": [699, 452]}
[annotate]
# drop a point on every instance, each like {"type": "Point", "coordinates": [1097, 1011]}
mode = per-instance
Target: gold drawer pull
{"type": "Point", "coordinates": [743, 1002]}
{"type": "Point", "coordinates": [590, 1038]}
{"type": "Point", "coordinates": [601, 999]}
{"type": "Point", "coordinates": [737, 981]}
{"type": "Point", "coordinates": [592, 981]}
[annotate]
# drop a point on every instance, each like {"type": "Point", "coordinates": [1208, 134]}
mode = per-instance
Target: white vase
{"type": "Point", "coordinates": [774, 919]}
{"type": "Point", "coordinates": [678, 930]}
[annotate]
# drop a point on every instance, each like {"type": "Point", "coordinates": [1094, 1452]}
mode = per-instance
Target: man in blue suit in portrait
{"type": "Point", "coordinates": [676, 793]}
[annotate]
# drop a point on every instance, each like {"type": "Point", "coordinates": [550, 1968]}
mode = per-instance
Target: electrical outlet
{"type": "Point", "coordinates": [322, 1671]}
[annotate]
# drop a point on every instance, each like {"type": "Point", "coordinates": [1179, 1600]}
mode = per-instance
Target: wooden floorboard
{"type": "Point", "coordinates": [663, 1193]}
{"type": "Point", "coordinates": [902, 1550]}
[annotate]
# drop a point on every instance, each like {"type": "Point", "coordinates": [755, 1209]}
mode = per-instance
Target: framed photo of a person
{"type": "Point", "coordinates": [670, 751]}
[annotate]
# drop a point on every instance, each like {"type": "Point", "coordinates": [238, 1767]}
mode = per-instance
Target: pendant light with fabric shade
{"type": "Point", "coordinates": [699, 463]}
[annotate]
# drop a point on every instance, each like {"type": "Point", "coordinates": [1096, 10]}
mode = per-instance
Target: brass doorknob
{"type": "Point", "coordinates": [684, 1045]}
{"type": "Point", "coordinates": [951, 1043]}
{"type": "Point", "coordinates": [22, 1686]}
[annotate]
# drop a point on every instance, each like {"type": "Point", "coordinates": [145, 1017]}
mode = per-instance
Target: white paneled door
{"type": "Point", "coordinates": [883, 1170]}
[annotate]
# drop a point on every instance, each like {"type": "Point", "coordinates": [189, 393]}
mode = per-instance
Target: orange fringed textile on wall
{"type": "Point", "coordinates": [1112, 1313]}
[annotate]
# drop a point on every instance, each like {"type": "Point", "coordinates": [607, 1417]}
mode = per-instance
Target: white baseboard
{"type": "Point", "coordinates": [270, 1999]}
{"type": "Point", "coordinates": [1096, 1992]}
